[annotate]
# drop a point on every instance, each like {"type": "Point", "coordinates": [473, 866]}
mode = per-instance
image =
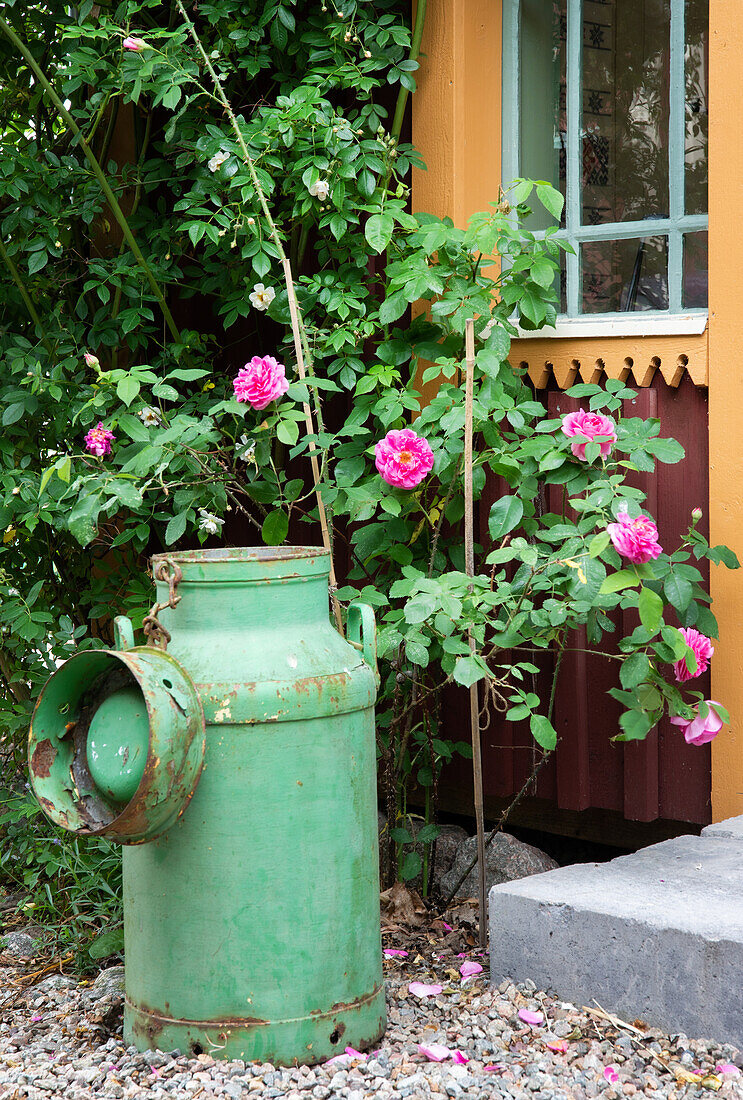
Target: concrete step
{"type": "Point", "coordinates": [656, 935]}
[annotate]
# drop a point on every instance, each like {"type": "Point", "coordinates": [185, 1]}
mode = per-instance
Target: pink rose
{"type": "Point", "coordinates": [698, 731]}
{"type": "Point", "coordinates": [635, 539]}
{"type": "Point", "coordinates": [703, 650]}
{"type": "Point", "coordinates": [261, 381]}
{"type": "Point", "coordinates": [589, 425]}
{"type": "Point", "coordinates": [403, 458]}
{"type": "Point", "coordinates": [98, 440]}
{"type": "Point", "coordinates": [136, 44]}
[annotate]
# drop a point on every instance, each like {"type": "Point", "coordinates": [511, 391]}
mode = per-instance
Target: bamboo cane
{"type": "Point", "coordinates": [469, 565]}
{"type": "Point", "coordinates": [294, 314]}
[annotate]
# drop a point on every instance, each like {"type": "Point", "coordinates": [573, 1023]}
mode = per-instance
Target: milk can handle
{"type": "Point", "coordinates": [362, 633]}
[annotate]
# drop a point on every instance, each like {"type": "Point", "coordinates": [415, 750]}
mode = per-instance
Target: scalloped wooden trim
{"type": "Point", "coordinates": [634, 359]}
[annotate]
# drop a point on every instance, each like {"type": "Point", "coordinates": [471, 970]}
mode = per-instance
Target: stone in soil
{"type": "Point", "coordinates": [506, 859]}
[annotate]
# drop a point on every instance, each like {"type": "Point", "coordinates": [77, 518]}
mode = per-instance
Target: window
{"type": "Point", "coordinates": [607, 99]}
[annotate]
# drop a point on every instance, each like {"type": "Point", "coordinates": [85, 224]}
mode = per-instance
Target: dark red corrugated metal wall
{"type": "Point", "coordinates": [662, 777]}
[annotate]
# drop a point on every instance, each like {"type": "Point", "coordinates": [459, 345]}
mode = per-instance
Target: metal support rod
{"type": "Point", "coordinates": [469, 565]}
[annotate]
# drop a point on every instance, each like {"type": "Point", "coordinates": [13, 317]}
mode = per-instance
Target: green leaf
{"type": "Point", "coordinates": [427, 834]}
{"type": "Point", "coordinates": [667, 450]}
{"type": "Point", "coordinates": [615, 582]}
{"type": "Point", "coordinates": [127, 388]}
{"type": "Point", "coordinates": [287, 432]}
{"type": "Point", "coordinates": [378, 231]}
{"type": "Point", "coordinates": [551, 200]}
{"type": "Point", "coordinates": [176, 528]}
{"type": "Point", "coordinates": [411, 866]}
{"type": "Point", "coordinates": [107, 943]}
{"type": "Point", "coordinates": [275, 528]}
{"type": "Point", "coordinates": [13, 413]}
{"type": "Point", "coordinates": [634, 670]}
{"type": "Point", "coordinates": [417, 653]}
{"type": "Point", "coordinates": [678, 591]}
{"type": "Point", "coordinates": [636, 725]}
{"type": "Point", "coordinates": [82, 521]}
{"type": "Point", "coordinates": [392, 308]}
{"type": "Point", "coordinates": [468, 670]}
{"type": "Point", "coordinates": [419, 609]}
{"type": "Point", "coordinates": [543, 732]}
{"type": "Point", "coordinates": [505, 515]}
{"type": "Point", "coordinates": [597, 546]}
{"type": "Point", "coordinates": [716, 554]}
{"type": "Point", "coordinates": [38, 260]}
{"type": "Point", "coordinates": [650, 606]}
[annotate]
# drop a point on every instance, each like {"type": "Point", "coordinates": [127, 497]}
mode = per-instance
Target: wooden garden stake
{"type": "Point", "coordinates": [309, 424]}
{"type": "Point", "coordinates": [469, 565]}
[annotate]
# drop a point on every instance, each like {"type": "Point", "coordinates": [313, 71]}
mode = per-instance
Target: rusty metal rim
{"type": "Point", "coordinates": [235, 1023]}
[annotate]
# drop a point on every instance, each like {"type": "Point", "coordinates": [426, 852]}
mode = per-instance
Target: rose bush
{"type": "Point", "coordinates": [147, 309]}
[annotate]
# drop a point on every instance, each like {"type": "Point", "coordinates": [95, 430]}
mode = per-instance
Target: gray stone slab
{"type": "Point", "coordinates": [733, 826]}
{"type": "Point", "coordinates": [656, 935]}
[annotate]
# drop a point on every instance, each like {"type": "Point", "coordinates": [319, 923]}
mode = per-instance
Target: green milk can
{"type": "Point", "coordinates": [238, 770]}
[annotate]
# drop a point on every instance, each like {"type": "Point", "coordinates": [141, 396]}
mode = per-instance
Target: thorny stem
{"type": "Point", "coordinates": [440, 520]}
{"type": "Point", "coordinates": [113, 202]}
{"type": "Point", "coordinates": [415, 46]}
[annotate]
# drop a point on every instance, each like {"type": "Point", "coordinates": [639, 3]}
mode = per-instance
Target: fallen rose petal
{"type": "Point", "coordinates": [469, 968]}
{"type": "Point", "coordinates": [459, 1058]}
{"type": "Point", "coordinates": [420, 989]}
{"type": "Point", "coordinates": [448, 927]}
{"type": "Point", "coordinates": [435, 1052]}
{"type": "Point", "coordinates": [727, 1067]}
{"type": "Point", "coordinates": [496, 1067]}
{"type": "Point", "coordinates": [35, 1019]}
{"type": "Point", "coordinates": [394, 953]}
{"type": "Point", "coordinates": [533, 1019]}
{"type": "Point", "coordinates": [355, 1053]}
{"type": "Point", "coordinates": [611, 1074]}
{"type": "Point", "coordinates": [559, 1046]}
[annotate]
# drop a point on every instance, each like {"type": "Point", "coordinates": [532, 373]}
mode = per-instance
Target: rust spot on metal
{"type": "Point", "coordinates": [44, 756]}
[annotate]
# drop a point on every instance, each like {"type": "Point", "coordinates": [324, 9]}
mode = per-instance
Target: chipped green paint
{"type": "Point", "coordinates": [252, 925]}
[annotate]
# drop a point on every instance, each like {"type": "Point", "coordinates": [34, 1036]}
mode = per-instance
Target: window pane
{"type": "Point", "coordinates": [696, 59]}
{"type": "Point", "coordinates": [624, 276]}
{"type": "Point", "coordinates": [626, 54]}
{"type": "Point", "coordinates": [695, 270]}
{"type": "Point", "coordinates": [542, 106]}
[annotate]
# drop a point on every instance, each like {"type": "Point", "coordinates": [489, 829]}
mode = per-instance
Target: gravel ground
{"type": "Point", "coordinates": [62, 1038]}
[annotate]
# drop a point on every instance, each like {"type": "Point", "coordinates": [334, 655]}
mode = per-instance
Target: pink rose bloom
{"type": "Point", "coordinates": [261, 381]}
{"type": "Point", "coordinates": [635, 539]}
{"type": "Point", "coordinates": [403, 458]}
{"type": "Point", "coordinates": [699, 731]}
{"type": "Point", "coordinates": [136, 44]}
{"type": "Point", "coordinates": [98, 440]}
{"type": "Point", "coordinates": [703, 650]}
{"type": "Point", "coordinates": [589, 425]}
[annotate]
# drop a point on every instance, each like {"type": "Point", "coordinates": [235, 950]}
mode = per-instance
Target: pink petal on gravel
{"type": "Point", "coordinates": [611, 1074]}
{"type": "Point", "coordinates": [435, 1052]}
{"type": "Point", "coordinates": [355, 1053]}
{"type": "Point", "coordinates": [533, 1019]}
{"type": "Point", "coordinates": [496, 1067]}
{"type": "Point", "coordinates": [420, 989]}
{"type": "Point", "coordinates": [35, 1019]}
{"type": "Point", "coordinates": [727, 1067]}
{"type": "Point", "coordinates": [469, 968]}
{"type": "Point", "coordinates": [459, 1058]}
{"type": "Point", "coordinates": [559, 1046]}
{"type": "Point", "coordinates": [394, 953]}
{"type": "Point", "coordinates": [448, 927]}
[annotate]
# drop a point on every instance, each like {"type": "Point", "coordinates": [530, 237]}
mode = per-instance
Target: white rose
{"type": "Point", "coordinates": [150, 417]}
{"type": "Point", "coordinates": [209, 523]}
{"type": "Point", "coordinates": [262, 296]}
{"type": "Point", "coordinates": [320, 189]}
{"type": "Point", "coordinates": [218, 160]}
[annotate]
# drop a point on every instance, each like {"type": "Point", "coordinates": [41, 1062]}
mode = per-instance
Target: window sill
{"type": "Point", "coordinates": [637, 324]}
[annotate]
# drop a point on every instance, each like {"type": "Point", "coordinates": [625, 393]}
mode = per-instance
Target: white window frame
{"type": "Point", "coordinates": [676, 318]}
